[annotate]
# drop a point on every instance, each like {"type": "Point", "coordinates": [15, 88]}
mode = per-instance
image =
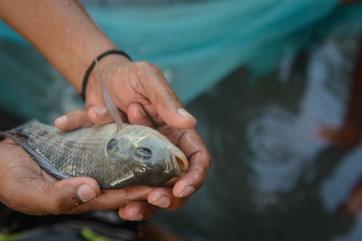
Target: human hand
{"type": "Point", "coordinates": [131, 82]}
{"type": "Point", "coordinates": [26, 188]}
{"type": "Point", "coordinates": [187, 140]}
{"type": "Point", "coordinates": [141, 91]}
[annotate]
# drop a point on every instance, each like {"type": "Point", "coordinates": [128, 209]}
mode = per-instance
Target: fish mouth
{"type": "Point", "coordinates": [180, 159]}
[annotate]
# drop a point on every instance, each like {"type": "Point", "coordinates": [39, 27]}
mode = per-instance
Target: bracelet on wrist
{"type": "Point", "coordinates": [91, 67]}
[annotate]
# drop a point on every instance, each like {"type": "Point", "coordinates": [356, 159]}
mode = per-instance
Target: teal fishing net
{"type": "Point", "coordinates": [196, 43]}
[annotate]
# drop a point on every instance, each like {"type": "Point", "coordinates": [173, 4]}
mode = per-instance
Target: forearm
{"type": "Point", "coordinates": [61, 30]}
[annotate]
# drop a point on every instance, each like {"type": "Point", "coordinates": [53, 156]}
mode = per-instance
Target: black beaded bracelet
{"type": "Point", "coordinates": [91, 66]}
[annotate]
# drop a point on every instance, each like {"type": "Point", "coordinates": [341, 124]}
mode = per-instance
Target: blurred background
{"type": "Point", "coordinates": [264, 79]}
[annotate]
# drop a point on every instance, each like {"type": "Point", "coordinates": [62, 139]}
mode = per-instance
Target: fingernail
{"type": "Point", "coordinates": [182, 112]}
{"type": "Point", "coordinates": [86, 193]}
{"type": "Point", "coordinates": [61, 121]}
{"type": "Point", "coordinates": [100, 110]}
{"type": "Point", "coordinates": [135, 215]}
{"type": "Point", "coordinates": [162, 202]}
{"type": "Point", "coordinates": [186, 191]}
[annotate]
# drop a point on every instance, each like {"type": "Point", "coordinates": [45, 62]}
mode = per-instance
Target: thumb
{"type": "Point", "coordinates": [62, 196]}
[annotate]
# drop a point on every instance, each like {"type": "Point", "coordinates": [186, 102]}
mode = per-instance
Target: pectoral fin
{"type": "Point", "coordinates": [111, 106]}
{"type": "Point", "coordinates": [122, 179]}
{"type": "Point", "coordinates": [38, 157]}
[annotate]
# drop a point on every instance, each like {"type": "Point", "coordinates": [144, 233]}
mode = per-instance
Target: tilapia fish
{"type": "Point", "coordinates": [116, 157]}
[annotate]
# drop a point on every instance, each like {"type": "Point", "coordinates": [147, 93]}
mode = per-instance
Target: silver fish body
{"type": "Point", "coordinates": [132, 156]}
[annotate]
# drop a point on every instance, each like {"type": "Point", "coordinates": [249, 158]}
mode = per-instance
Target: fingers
{"type": "Point", "coordinates": [38, 197]}
{"type": "Point", "coordinates": [156, 88]}
{"type": "Point", "coordinates": [164, 198]}
{"type": "Point", "coordinates": [81, 118]}
{"type": "Point", "coordinates": [190, 142]}
{"type": "Point", "coordinates": [136, 115]}
{"type": "Point", "coordinates": [199, 160]}
{"type": "Point", "coordinates": [143, 83]}
{"type": "Point", "coordinates": [136, 211]}
{"type": "Point", "coordinates": [195, 175]}
{"type": "Point", "coordinates": [113, 199]}
{"type": "Point", "coordinates": [65, 195]}
{"type": "Point", "coordinates": [72, 120]}
{"type": "Point", "coordinates": [158, 197]}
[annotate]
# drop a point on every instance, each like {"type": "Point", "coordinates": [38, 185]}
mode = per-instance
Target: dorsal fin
{"type": "Point", "coordinates": [111, 106]}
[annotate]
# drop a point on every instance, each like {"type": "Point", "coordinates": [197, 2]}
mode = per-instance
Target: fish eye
{"type": "Point", "coordinates": [144, 152]}
{"type": "Point", "coordinates": [111, 144]}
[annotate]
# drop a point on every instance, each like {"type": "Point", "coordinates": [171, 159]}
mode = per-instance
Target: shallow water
{"type": "Point", "coordinates": [273, 177]}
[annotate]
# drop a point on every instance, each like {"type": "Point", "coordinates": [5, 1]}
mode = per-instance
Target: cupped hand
{"type": "Point", "coordinates": [131, 82]}
{"type": "Point", "coordinates": [141, 91]}
{"type": "Point", "coordinates": [26, 188]}
{"type": "Point", "coordinates": [187, 140]}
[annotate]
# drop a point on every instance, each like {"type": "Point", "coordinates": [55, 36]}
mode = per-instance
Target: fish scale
{"type": "Point", "coordinates": [115, 157]}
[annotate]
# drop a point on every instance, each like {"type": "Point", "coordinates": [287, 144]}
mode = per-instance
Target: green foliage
{"type": "Point", "coordinates": [11, 237]}
{"type": "Point", "coordinates": [89, 235]}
